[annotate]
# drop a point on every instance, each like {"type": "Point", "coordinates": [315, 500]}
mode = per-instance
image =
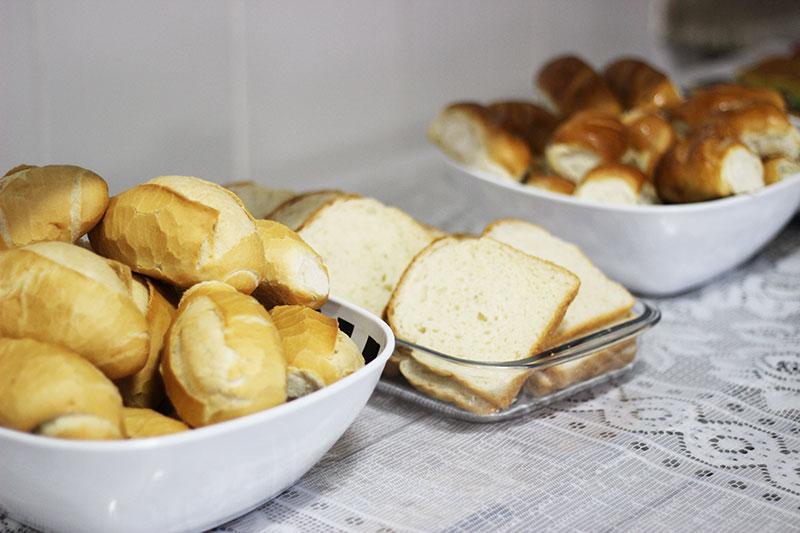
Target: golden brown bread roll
{"type": "Point", "coordinates": [63, 294]}
{"type": "Point", "coordinates": [52, 391]}
{"type": "Point", "coordinates": [294, 273]}
{"type": "Point", "coordinates": [182, 230]}
{"type": "Point", "coordinates": [571, 85]}
{"type": "Point", "coordinates": [706, 167]}
{"type": "Point", "coordinates": [638, 85]}
{"type": "Point", "coordinates": [223, 356]}
{"type": "Point", "coordinates": [723, 97]}
{"type": "Point", "coordinates": [650, 136]}
{"type": "Point", "coordinates": [584, 141]}
{"type": "Point", "coordinates": [551, 183]}
{"type": "Point", "coordinates": [50, 203]}
{"type": "Point", "coordinates": [317, 353]}
{"type": "Point", "coordinates": [615, 183]}
{"type": "Point", "coordinates": [781, 73]}
{"type": "Point", "coordinates": [144, 388]}
{"type": "Point", "coordinates": [259, 200]}
{"type": "Point", "coordinates": [141, 423]}
{"type": "Point", "coordinates": [777, 168]}
{"type": "Point", "coordinates": [467, 133]}
{"type": "Point", "coordinates": [526, 120]}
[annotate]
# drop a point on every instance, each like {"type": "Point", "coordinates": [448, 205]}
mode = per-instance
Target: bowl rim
{"type": "Point", "coordinates": [221, 428]}
{"type": "Point", "coordinates": [640, 209]}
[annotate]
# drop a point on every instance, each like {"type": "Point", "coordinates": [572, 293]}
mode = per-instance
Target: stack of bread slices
{"type": "Point", "coordinates": [181, 310]}
{"type": "Point", "coordinates": [625, 136]}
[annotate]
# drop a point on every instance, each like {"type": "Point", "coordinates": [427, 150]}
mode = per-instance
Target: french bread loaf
{"type": "Point", "coordinates": [62, 294]}
{"type": "Point", "coordinates": [260, 201]}
{"type": "Point", "coordinates": [570, 85]}
{"type": "Point", "coordinates": [638, 85]}
{"type": "Point", "coordinates": [294, 212]}
{"type": "Point", "coordinates": [182, 230]}
{"type": "Point", "coordinates": [142, 423]}
{"type": "Point", "coordinates": [50, 203]}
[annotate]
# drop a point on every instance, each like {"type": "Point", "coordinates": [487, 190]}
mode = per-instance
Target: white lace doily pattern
{"type": "Point", "coordinates": [703, 435]}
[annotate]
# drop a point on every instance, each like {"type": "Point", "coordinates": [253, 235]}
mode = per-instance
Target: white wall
{"type": "Point", "coordinates": [299, 93]}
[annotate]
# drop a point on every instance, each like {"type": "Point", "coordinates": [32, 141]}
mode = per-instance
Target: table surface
{"type": "Point", "coordinates": [705, 434]}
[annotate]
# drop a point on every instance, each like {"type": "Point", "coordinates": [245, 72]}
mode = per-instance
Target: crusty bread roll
{"type": "Point", "coordinates": [50, 203]}
{"type": "Point", "coordinates": [763, 128]}
{"type": "Point", "coordinates": [317, 353]}
{"type": "Point", "coordinates": [722, 97]}
{"type": "Point", "coordinates": [63, 294]}
{"type": "Point", "coordinates": [223, 357]}
{"type": "Point", "coordinates": [570, 85]}
{"type": "Point", "coordinates": [778, 168]}
{"type": "Point", "coordinates": [52, 391]}
{"type": "Point", "coordinates": [649, 137]}
{"type": "Point", "coordinates": [259, 200]}
{"type": "Point", "coordinates": [584, 141]}
{"type": "Point", "coordinates": [526, 120]}
{"type": "Point", "coordinates": [142, 423]}
{"type": "Point", "coordinates": [467, 133]}
{"type": "Point", "coordinates": [182, 230]}
{"type": "Point", "coordinates": [706, 167]}
{"type": "Point", "coordinates": [294, 273]}
{"type": "Point", "coordinates": [615, 183]}
{"type": "Point", "coordinates": [551, 183]}
{"type": "Point", "coordinates": [144, 388]}
{"type": "Point", "coordinates": [638, 85]}
{"type": "Point", "coordinates": [295, 211]}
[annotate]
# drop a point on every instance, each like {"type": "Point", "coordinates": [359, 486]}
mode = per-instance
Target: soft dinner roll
{"type": "Point", "coordinates": [778, 168]}
{"type": "Point", "coordinates": [584, 141]}
{"type": "Point", "coordinates": [615, 183]}
{"type": "Point", "coordinates": [526, 120]}
{"type": "Point", "coordinates": [182, 230]}
{"type": "Point", "coordinates": [638, 85]}
{"type": "Point", "coordinates": [51, 203]}
{"type": "Point", "coordinates": [468, 134]}
{"type": "Point", "coordinates": [141, 423]}
{"type": "Point", "coordinates": [223, 357]}
{"type": "Point", "coordinates": [707, 167]}
{"type": "Point", "coordinates": [144, 388]}
{"type": "Point", "coordinates": [650, 136]}
{"type": "Point", "coordinates": [63, 294]}
{"type": "Point", "coordinates": [551, 183]}
{"type": "Point", "coordinates": [570, 85]}
{"type": "Point", "coordinates": [259, 200]}
{"type": "Point", "coordinates": [723, 97]}
{"type": "Point", "coordinates": [52, 391]}
{"type": "Point", "coordinates": [294, 273]}
{"type": "Point", "coordinates": [294, 212]}
{"type": "Point", "coordinates": [317, 353]}
{"type": "Point", "coordinates": [479, 299]}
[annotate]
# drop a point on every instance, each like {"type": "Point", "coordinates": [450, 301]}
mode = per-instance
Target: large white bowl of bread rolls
{"type": "Point", "coordinates": [181, 367]}
{"type": "Point", "coordinates": [663, 193]}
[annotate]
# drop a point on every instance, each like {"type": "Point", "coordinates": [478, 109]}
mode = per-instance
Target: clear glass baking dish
{"type": "Point", "coordinates": [598, 357]}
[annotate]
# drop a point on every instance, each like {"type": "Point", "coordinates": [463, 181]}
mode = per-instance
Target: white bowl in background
{"type": "Point", "coordinates": [192, 480]}
{"type": "Point", "coordinates": [651, 249]}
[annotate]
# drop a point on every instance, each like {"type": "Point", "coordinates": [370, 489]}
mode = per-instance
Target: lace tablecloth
{"type": "Point", "coordinates": [705, 435]}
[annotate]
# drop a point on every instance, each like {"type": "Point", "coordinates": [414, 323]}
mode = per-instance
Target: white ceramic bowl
{"type": "Point", "coordinates": [651, 249]}
{"type": "Point", "coordinates": [193, 480]}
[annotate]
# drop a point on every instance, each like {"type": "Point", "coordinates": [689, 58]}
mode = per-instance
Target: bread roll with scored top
{"type": "Point", "coordinates": [638, 85]}
{"type": "Point", "coordinates": [599, 301]}
{"type": "Point", "coordinates": [649, 137]}
{"type": "Point", "coordinates": [584, 141]}
{"type": "Point", "coordinates": [467, 133]}
{"type": "Point", "coordinates": [778, 168]}
{"type": "Point", "coordinates": [223, 356]}
{"type": "Point", "coordinates": [707, 167]}
{"type": "Point", "coordinates": [260, 201]}
{"type": "Point", "coordinates": [50, 203]}
{"type": "Point", "coordinates": [478, 299]}
{"type": "Point", "coordinates": [145, 388]}
{"type": "Point", "coordinates": [293, 213]}
{"type": "Point", "coordinates": [723, 97]}
{"type": "Point", "coordinates": [318, 354]}
{"type": "Point", "coordinates": [615, 183]}
{"type": "Point", "coordinates": [365, 245]}
{"type": "Point", "coordinates": [142, 423]}
{"type": "Point", "coordinates": [294, 273]}
{"type": "Point", "coordinates": [526, 120]}
{"type": "Point", "coordinates": [570, 85]}
{"type": "Point", "coordinates": [182, 230]}
{"type": "Point", "coordinates": [49, 390]}
{"type": "Point", "coordinates": [62, 294]}
{"type": "Point", "coordinates": [551, 183]}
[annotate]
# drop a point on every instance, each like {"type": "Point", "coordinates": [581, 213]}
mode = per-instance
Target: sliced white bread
{"type": "Point", "coordinates": [294, 212]}
{"type": "Point", "coordinates": [478, 299]}
{"type": "Point", "coordinates": [599, 300]}
{"type": "Point", "coordinates": [259, 200]}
